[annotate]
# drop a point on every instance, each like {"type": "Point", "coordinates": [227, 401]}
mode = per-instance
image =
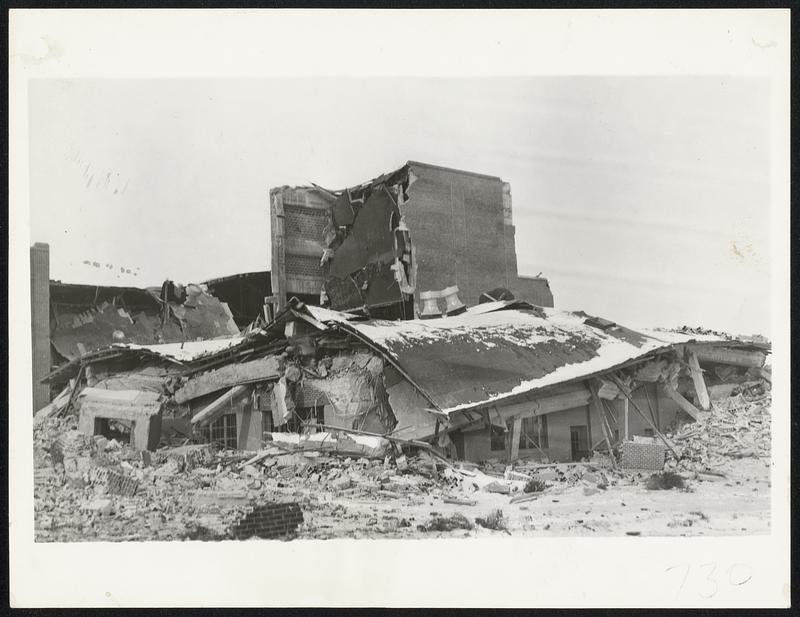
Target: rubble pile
{"type": "Point", "coordinates": [95, 488]}
{"type": "Point", "coordinates": [570, 474]}
{"type": "Point", "coordinates": [736, 427]}
{"type": "Point", "coordinates": [90, 488]}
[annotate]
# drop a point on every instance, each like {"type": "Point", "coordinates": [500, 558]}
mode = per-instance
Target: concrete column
{"type": "Point", "coordinates": [40, 322]}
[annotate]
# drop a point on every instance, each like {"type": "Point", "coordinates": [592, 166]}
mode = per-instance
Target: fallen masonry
{"type": "Point", "coordinates": [100, 491]}
{"type": "Point", "coordinates": [393, 423]}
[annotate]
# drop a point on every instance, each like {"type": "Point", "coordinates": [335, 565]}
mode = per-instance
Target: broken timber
{"type": "Point", "coordinates": [598, 405]}
{"type": "Point", "coordinates": [545, 405]}
{"type": "Point", "coordinates": [412, 442]}
{"type": "Point", "coordinates": [515, 434]}
{"type": "Point", "coordinates": [219, 405]}
{"type": "Point", "coordinates": [628, 397]}
{"type": "Point", "coordinates": [685, 405]}
{"type": "Point", "coordinates": [697, 379]}
{"type": "Point", "coordinates": [733, 357]}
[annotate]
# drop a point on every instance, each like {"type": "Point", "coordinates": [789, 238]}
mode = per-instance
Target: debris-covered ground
{"type": "Point", "coordinates": [90, 488]}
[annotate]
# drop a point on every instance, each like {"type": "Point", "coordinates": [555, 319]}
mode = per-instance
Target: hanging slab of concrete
{"type": "Point", "coordinates": [227, 376]}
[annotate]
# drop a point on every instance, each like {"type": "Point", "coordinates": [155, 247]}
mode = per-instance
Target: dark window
{"type": "Point", "coordinates": [579, 442]}
{"type": "Point", "coordinates": [307, 415]}
{"type": "Point", "coordinates": [222, 431]}
{"type": "Point", "coordinates": [648, 432]}
{"type": "Point", "coordinates": [497, 439]}
{"type": "Point", "coordinates": [111, 428]}
{"type": "Point", "coordinates": [534, 433]}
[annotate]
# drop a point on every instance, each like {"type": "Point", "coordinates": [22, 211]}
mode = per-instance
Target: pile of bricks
{"type": "Point", "coordinates": [272, 520]}
{"type": "Point", "coordinates": [44, 477]}
{"type": "Point", "coordinates": [115, 483]}
{"type": "Point", "coordinates": [187, 457]}
{"type": "Point", "coordinates": [650, 456]}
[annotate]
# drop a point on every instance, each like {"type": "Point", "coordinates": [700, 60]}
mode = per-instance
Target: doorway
{"type": "Point", "coordinates": [579, 442]}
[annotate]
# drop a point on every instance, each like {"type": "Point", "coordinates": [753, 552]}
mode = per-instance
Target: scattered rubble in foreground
{"type": "Point", "coordinates": [91, 488]}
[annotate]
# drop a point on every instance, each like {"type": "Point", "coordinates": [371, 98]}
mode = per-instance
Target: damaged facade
{"type": "Point", "coordinates": [386, 245]}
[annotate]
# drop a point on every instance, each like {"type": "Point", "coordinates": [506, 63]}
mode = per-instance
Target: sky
{"type": "Point", "coordinates": [642, 199]}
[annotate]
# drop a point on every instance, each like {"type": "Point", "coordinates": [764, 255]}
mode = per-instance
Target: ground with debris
{"type": "Point", "coordinates": [90, 488]}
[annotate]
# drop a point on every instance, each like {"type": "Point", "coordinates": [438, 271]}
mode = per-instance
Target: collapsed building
{"type": "Point", "coordinates": [393, 309]}
{"type": "Point", "coordinates": [71, 320]}
{"type": "Point", "coordinates": [504, 379]}
{"type": "Point", "coordinates": [391, 248]}
{"type": "Point", "coordinates": [394, 322]}
{"type": "Point", "coordinates": [387, 246]}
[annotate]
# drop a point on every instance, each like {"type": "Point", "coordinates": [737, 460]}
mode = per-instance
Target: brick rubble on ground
{"type": "Point", "coordinates": [92, 488]}
{"type": "Point", "coordinates": [736, 427]}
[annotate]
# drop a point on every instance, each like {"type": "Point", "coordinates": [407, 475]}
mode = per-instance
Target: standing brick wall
{"type": "Point", "coordinates": [458, 231]}
{"type": "Point", "coordinates": [461, 228]}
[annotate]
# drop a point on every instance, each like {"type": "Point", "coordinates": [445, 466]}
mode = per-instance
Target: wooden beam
{"type": "Point", "coordinates": [628, 397]}
{"type": "Point", "coordinates": [697, 379]}
{"type": "Point", "coordinates": [625, 419]}
{"type": "Point", "coordinates": [535, 445]}
{"type": "Point", "coordinates": [549, 404]}
{"type": "Point", "coordinates": [598, 405]}
{"type": "Point", "coordinates": [516, 431]}
{"type": "Point", "coordinates": [606, 413]}
{"type": "Point", "coordinates": [676, 396]}
{"type": "Point", "coordinates": [218, 406]}
{"type": "Point", "coordinates": [413, 442]}
{"type": "Point", "coordinates": [726, 355]}
{"type": "Point", "coordinates": [278, 264]}
{"type": "Point", "coordinates": [589, 425]}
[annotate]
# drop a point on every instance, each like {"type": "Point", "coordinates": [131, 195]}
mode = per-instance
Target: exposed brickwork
{"type": "Point", "coordinates": [461, 228]}
{"type": "Point", "coordinates": [643, 456]}
{"type": "Point", "coordinates": [269, 521]}
{"type": "Point", "coordinates": [457, 226]}
{"type": "Point", "coordinates": [115, 483]}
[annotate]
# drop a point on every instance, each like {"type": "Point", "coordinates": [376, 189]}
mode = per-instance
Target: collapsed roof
{"type": "Point", "coordinates": [86, 318]}
{"type": "Point", "coordinates": [434, 372]}
{"type": "Point", "coordinates": [497, 350]}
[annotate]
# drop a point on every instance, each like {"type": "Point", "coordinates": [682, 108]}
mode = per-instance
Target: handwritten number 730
{"type": "Point", "coordinates": [706, 578]}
